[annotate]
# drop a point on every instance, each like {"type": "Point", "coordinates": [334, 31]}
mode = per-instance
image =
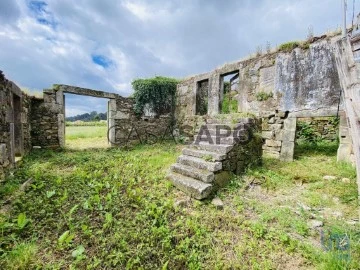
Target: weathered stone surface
{"type": "Point", "coordinates": [346, 180]}
{"type": "Point", "coordinates": [267, 79]}
{"type": "Point", "coordinates": [3, 154]}
{"type": "Point", "coordinates": [220, 148]}
{"type": "Point", "coordinates": [313, 224]}
{"type": "Point", "coordinates": [14, 123]}
{"type": "Point", "coordinates": [271, 148]}
{"type": "Point", "coordinates": [181, 203]}
{"type": "Point", "coordinates": [288, 135]}
{"type": "Point", "coordinates": [287, 151]}
{"type": "Point", "coordinates": [200, 163]}
{"type": "Point", "coordinates": [329, 177]}
{"type": "Point", "coordinates": [203, 154]}
{"type": "Point", "coordinates": [83, 91]}
{"type": "Point", "coordinates": [290, 124]}
{"type": "Point", "coordinates": [202, 175]}
{"type": "Point", "coordinates": [194, 188]}
{"type": "Point", "coordinates": [218, 203]}
{"type": "Point", "coordinates": [273, 143]}
{"type": "Point", "coordinates": [268, 135]}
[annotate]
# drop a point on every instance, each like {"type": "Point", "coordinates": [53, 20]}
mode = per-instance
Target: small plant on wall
{"type": "Point", "coordinates": [263, 96]}
{"type": "Point", "coordinates": [229, 104]}
{"type": "Point", "coordinates": [158, 93]}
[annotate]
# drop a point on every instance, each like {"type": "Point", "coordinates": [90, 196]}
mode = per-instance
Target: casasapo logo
{"type": "Point", "coordinates": [223, 134]}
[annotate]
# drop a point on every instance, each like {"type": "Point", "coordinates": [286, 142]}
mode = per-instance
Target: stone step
{"type": "Point", "coordinates": [199, 163]}
{"type": "Point", "coordinates": [202, 175]}
{"type": "Point", "coordinates": [213, 131]}
{"type": "Point", "coordinates": [217, 148]}
{"type": "Point", "coordinates": [222, 127]}
{"type": "Point", "coordinates": [203, 154]}
{"type": "Point", "coordinates": [194, 188]}
{"type": "Point", "coordinates": [216, 139]}
{"type": "Point", "coordinates": [229, 120]}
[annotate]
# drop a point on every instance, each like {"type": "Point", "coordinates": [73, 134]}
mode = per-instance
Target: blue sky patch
{"type": "Point", "coordinates": [42, 15]}
{"type": "Point", "coordinates": [38, 7]}
{"type": "Point", "coordinates": [101, 60]}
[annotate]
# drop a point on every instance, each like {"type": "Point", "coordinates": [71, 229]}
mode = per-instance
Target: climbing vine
{"type": "Point", "coordinates": [158, 93]}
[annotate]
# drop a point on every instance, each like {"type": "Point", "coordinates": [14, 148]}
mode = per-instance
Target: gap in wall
{"type": "Point", "coordinates": [202, 97]}
{"type": "Point", "coordinates": [229, 87]}
{"type": "Point", "coordinates": [316, 135]}
{"type": "Point", "coordinates": [86, 122]}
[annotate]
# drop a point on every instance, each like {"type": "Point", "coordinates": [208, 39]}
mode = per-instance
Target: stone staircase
{"type": "Point", "coordinates": [207, 163]}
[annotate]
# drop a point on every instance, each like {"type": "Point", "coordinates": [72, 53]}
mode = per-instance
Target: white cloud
{"type": "Point", "coordinates": [139, 10]}
{"type": "Point", "coordinates": [145, 38]}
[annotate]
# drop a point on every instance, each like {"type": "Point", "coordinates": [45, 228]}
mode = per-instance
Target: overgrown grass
{"type": "Point", "coordinates": [84, 137]}
{"type": "Point", "coordinates": [82, 132]}
{"type": "Point", "coordinates": [113, 209]}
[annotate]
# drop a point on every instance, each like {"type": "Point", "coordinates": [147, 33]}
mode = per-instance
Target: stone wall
{"type": "Point", "coordinates": [132, 129]}
{"type": "Point", "coordinates": [321, 128]}
{"type": "Point", "coordinates": [299, 80]}
{"type": "Point", "coordinates": [44, 121]}
{"type": "Point", "coordinates": [303, 82]}
{"type": "Point", "coordinates": [249, 154]}
{"type": "Point", "coordinates": [15, 109]}
{"type": "Point", "coordinates": [278, 132]}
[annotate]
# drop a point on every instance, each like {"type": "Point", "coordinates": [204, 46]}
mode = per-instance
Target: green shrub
{"type": "Point", "coordinates": [289, 46]}
{"type": "Point", "coordinates": [307, 133]}
{"type": "Point", "coordinates": [229, 104]}
{"type": "Point", "coordinates": [158, 93]}
{"type": "Point", "coordinates": [263, 96]}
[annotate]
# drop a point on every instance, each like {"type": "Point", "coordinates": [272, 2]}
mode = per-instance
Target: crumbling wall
{"type": "Point", "coordinates": [15, 109]}
{"type": "Point", "coordinates": [246, 154]}
{"type": "Point", "coordinates": [318, 128]}
{"type": "Point", "coordinates": [44, 122]}
{"type": "Point", "coordinates": [303, 82]}
{"type": "Point", "coordinates": [299, 80]}
{"type": "Point", "coordinates": [130, 128]}
{"type": "Point", "coordinates": [6, 158]}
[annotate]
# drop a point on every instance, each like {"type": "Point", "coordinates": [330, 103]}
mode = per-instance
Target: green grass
{"type": "Point", "coordinates": [84, 137]}
{"type": "Point", "coordinates": [82, 132]}
{"type": "Point", "coordinates": [113, 209]}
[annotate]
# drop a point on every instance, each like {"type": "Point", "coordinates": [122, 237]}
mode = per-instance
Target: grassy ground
{"type": "Point", "coordinates": [113, 208]}
{"type": "Point", "coordinates": [84, 137]}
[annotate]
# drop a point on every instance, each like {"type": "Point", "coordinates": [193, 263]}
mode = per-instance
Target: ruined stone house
{"type": "Point", "coordinates": [279, 88]}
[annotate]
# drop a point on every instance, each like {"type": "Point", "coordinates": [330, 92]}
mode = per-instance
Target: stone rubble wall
{"type": "Point", "coordinates": [300, 80]}
{"type": "Point", "coordinates": [324, 128]}
{"type": "Point", "coordinates": [11, 122]}
{"type": "Point", "coordinates": [243, 156]}
{"type": "Point", "coordinates": [132, 129]}
{"type": "Point", "coordinates": [44, 121]}
{"type": "Point", "coordinates": [277, 87]}
{"type": "Point", "coordinates": [278, 133]}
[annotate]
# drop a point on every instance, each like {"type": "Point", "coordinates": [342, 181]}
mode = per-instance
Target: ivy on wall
{"type": "Point", "coordinates": [158, 93]}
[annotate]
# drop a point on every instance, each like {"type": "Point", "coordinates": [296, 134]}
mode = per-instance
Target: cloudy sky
{"type": "Point", "coordinates": [105, 44]}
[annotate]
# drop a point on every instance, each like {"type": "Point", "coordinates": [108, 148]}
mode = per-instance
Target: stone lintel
{"type": "Point", "coordinates": [84, 91]}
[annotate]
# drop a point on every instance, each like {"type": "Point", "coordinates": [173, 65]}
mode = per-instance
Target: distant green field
{"type": "Point", "coordinates": [81, 132]}
{"type": "Point", "coordinates": [86, 137]}
{"type": "Point", "coordinates": [82, 123]}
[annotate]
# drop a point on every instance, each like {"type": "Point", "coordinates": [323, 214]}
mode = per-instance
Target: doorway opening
{"type": "Point", "coordinates": [202, 97]}
{"type": "Point", "coordinates": [86, 121]}
{"type": "Point", "coordinates": [229, 90]}
{"type": "Point", "coordinates": [17, 127]}
{"type": "Point", "coordinates": [316, 135]}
